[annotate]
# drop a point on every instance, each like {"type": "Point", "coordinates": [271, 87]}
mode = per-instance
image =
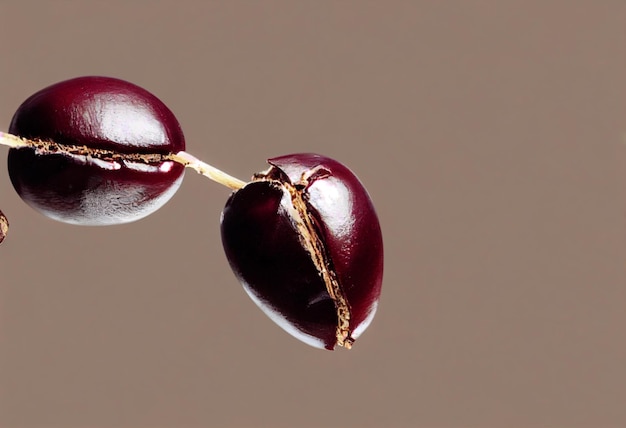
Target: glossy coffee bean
{"type": "Point", "coordinates": [305, 241]}
{"type": "Point", "coordinates": [98, 113]}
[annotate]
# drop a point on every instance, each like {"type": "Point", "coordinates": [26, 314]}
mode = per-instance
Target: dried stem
{"type": "Point", "coordinates": [14, 141]}
{"type": "Point", "coordinates": [181, 157]}
{"type": "Point", "coordinates": [207, 170]}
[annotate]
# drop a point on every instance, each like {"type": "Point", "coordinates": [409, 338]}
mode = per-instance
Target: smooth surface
{"type": "Point", "coordinates": [490, 135]}
{"type": "Point", "coordinates": [265, 248]}
{"type": "Point", "coordinates": [97, 113]}
{"type": "Point", "coordinates": [348, 226]}
{"type": "Point", "coordinates": [277, 272]}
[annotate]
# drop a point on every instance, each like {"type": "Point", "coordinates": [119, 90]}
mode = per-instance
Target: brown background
{"type": "Point", "coordinates": [490, 135]}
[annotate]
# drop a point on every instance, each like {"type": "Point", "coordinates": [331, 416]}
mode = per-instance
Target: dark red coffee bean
{"type": "Point", "coordinates": [99, 113]}
{"type": "Point", "coordinates": [305, 242]}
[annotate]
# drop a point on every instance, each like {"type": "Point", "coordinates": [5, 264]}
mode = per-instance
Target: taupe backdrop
{"type": "Point", "coordinates": [491, 136]}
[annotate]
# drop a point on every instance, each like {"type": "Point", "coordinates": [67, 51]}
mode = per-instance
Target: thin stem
{"type": "Point", "coordinates": [207, 170]}
{"type": "Point", "coordinates": [14, 141]}
{"type": "Point", "coordinates": [181, 157]}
